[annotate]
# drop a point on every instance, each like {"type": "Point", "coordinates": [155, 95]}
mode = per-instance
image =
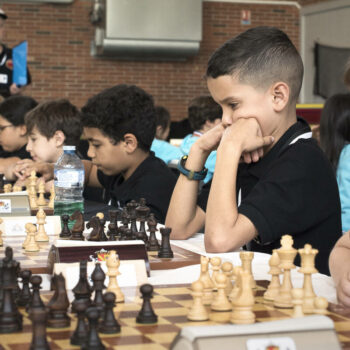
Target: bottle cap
{"type": "Point", "coordinates": [68, 148]}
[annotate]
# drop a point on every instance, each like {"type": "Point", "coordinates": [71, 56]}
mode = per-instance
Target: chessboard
{"type": "Point", "coordinates": [171, 303]}
{"type": "Point", "coordinates": [37, 262]}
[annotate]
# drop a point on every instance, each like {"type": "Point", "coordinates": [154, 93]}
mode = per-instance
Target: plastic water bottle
{"type": "Point", "coordinates": [69, 183]}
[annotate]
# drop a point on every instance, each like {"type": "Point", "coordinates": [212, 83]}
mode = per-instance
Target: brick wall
{"type": "Point", "coordinates": [61, 66]}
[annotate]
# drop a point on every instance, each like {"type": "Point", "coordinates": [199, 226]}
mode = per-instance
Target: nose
{"type": "Point", "coordinates": [29, 146]}
{"type": "Point", "coordinates": [90, 152]}
{"type": "Point", "coordinates": [227, 117]}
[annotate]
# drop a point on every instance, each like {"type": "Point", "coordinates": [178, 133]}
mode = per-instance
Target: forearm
{"type": "Point", "coordinates": [184, 216]}
{"type": "Point", "coordinates": [222, 213]}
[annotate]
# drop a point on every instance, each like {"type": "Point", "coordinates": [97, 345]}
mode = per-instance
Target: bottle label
{"type": "Point", "coordinates": [69, 178]}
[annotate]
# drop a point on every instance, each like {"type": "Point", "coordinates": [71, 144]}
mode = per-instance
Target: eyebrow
{"type": "Point", "coordinates": [229, 99]}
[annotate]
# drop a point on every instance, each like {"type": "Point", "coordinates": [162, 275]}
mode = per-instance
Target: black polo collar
{"type": "Point", "coordinates": [259, 168]}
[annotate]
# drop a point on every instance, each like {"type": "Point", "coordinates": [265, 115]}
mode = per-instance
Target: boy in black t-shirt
{"type": "Point", "coordinates": [285, 185]}
{"type": "Point", "coordinates": [119, 124]}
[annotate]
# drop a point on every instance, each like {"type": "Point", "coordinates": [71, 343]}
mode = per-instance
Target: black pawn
{"type": "Point", "coordinates": [35, 302]}
{"type": "Point", "coordinates": [65, 233]}
{"type": "Point", "coordinates": [81, 331]}
{"type": "Point", "coordinates": [82, 290]}
{"type": "Point", "coordinates": [98, 278]}
{"type": "Point", "coordinates": [24, 295]}
{"type": "Point", "coordinates": [146, 314]}
{"type": "Point", "coordinates": [142, 211]}
{"type": "Point", "coordinates": [112, 232]}
{"type": "Point", "coordinates": [38, 317]}
{"type": "Point", "coordinates": [109, 324]}
{"type": "Point", "coordinates": [93, 341]}
{"type": "Point", "coordinates": [165, 248]}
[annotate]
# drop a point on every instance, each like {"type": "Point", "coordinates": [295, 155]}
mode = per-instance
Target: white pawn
{"type": "Point", "coordinates": [236, 288]}
{"type": "Point", "coordinates": [197, 311]}
{"type": "Point", "coordinates": [31, 246]}
{"type": "Point", "coordinates": [41, 202]}
{"type": "Point", "coordinates": [220, 302]}
{"type": "Point", "coordinates": [274, 286]}
{"type": "Point", "coordinates": [113, 264]}
{"type": "Point", "coordinates": [26, 227]}
{"type": "Point", "coordinates": [41, 235]}
{"type": "Point", "coordinates": [320, 305]}
{"type": "Point", "coordinates": [215, 263]}
{"type": "Point", "coordinates": [298, 294]}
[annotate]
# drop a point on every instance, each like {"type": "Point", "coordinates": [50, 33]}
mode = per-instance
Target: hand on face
{"type": "Point", "coordinates": [210, 140]}
{"type": "Point", "coordinates": [246, 134]}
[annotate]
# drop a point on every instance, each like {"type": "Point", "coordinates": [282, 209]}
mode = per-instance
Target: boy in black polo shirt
{"type": "Point", "coordinates": [285, 185]}
{"type": "Point", "coordinates": [119, 124]}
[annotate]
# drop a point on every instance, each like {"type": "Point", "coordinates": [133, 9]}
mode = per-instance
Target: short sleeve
{"type": "Point", "coordinates": [292, 196]}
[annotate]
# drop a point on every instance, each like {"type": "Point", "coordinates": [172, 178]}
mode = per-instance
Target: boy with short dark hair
{"type": "Point", "coordinates": [50, 126]}
{"type": "Point", "coordinates": [13, 132]}
{"type": "Point", "coordinates": [161, 148]}
{"type": "Point", "coordinates": [203, 114]}
{"type": "Point", "coordinates": [119, 124]}
{"type": "Point", "coordinates": [286, 185]}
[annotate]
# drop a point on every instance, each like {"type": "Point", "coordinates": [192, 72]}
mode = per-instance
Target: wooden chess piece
{"type": "Point", "coordinates": [320, 306]}
{"type": "Point", "coordinates": [243, 305]}
{"type": "Point", "coordinates": [10, 317]}
{"type": "Point", "coordinates": [81, 331]}
{"type": "Point", "coordinates": [131, 208]}
{"type": "Point", "coordinates": [237, 287]}
{"type": "Point", "coordinates": [197, 311]}
{"type": "Point", "coordinates": [41, 235]}
{"type": "Point", "coordinates": [274, 286]}
{"type": "Point", "coordinates": [286, 255]}
{"type": "Point", "coordinates": [26, 240]}
{"type": "Point", "coordinates": [146, 314]}
{"type": "Point", "coordinates": [308, 256]}
{"type": "Point", "coordinates": [82, 290]}
{"type": "Point", "coordinates": [97, 234]}
{"type": "Point", "coordinates": [109, 324]}
{"type": "Point", "coordinates": [112, 232]}
{"type": "Point", "coordinates": [41, 202]}
{"type": "Point", "coordinates": [297, 295]}
{"type": "Point", "coordinates": [215, 263]}
{"type": "Point", "coordinates": [65, 232]}
{"type": "Point", "coordinates": [1, 240]}
{"type": "Point", "coordinates": [38, 316]}
{"type": "Point", "coordinates": [24, 295]}
{"type": "Point", "coordinates": [7, 188]}
{"type": "Point", "coordinates": [78, 227]}
{"type": "Point", "coordinates": [93, 341]}
{"type": "Point", "coordinates": [35, 302]}
{"type": "Point", "coordinates": [32, 200]}
{"type": "Point", "coordinates": [103, 222]}
{"type": "Point", "coordinates": [247, 258]}
{"type": "Point", "coordinates": [227, 269]}
{"type": "Point", "coordinates": [2, 181]}
{"type": "Point", "coordinates": [142, 211]}
{"type": "Point", "coordinates": [165, 247]}
{"type": "Point", "coordinates": [52, 197]}
{"type": "Point", "coordinates": [16, 188]}
{"type": "Point", "coordinates": [31, 245]}
{"type": "Point", "coordinates": [98, 278]}
{"type": "Point", "coordinates": [113, 264]}
{"type": "Point", "coordinates": [206, 280]}
{"type": "Point", "coordinates": [220, 302]}
{"type": "Point", "coordinates": [59, 304]}
{"type": "Point", "coordinates": [152, 244]}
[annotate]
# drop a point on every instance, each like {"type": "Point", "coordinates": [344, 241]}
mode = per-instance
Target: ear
{"type": "Point", "coordinates": [159, 132]}
{"type": "Point", "coordinates": [22, 130]}
{"type": "Point", "coordinates": [59, 138]}
{"type": "Point", "coordinates": [130, 143]}
{"type": "Point", "coordinates": [280, 95]}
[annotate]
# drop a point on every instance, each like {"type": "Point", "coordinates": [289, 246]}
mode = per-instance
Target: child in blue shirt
{"type": "Point", "coordinates": [334, 140]}
{"type": "Point", "coordinates": [203, 114]}
{"type": "Point", "coordinates": [161, 148]}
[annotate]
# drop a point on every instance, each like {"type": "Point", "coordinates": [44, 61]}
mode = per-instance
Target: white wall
{"type": "Point", "coordinates": [327, 23]}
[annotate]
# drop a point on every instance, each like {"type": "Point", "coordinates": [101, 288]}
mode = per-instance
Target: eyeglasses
{"type": "Point", "coordinates": [2, 128]}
